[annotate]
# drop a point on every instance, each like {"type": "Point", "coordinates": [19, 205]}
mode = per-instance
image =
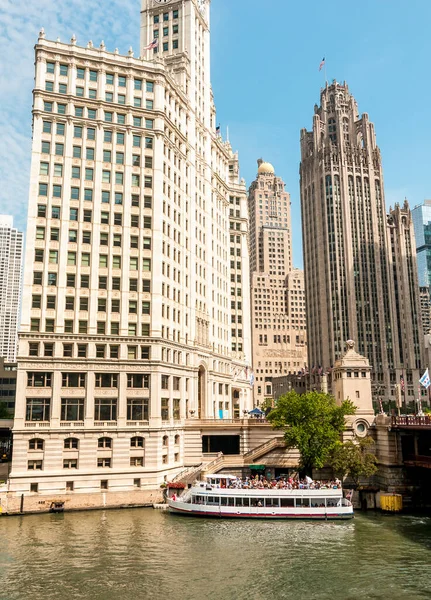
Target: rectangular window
{"type": "Point", "coordinates": [107, 137]}
{"type": "Point", "coordinates": [137, 409]}
{"type": "Point", "coordinates": [121, 81]}
{"type": "Point", "coordinates": [77, 132]}
{"type": "Point", "coordinates": [119, 158]}
{"type": "Point", "coordinates": [92, 114]}
{"type": "Point", "coordinates": [120, 139]}
{"type": "Point", "coordinates": [136, 141]}
{"type": "Point", "coordinates": [165, 409]}
{"type": "Point", "coordinates": [80, 73]}
{"type": "Point", "coordinates": [72, 409]}
{"type": "Point", "coordinates": [105, 409]}
{"type": "Point", "coordinates": [110, 78]}
{"type": "Point", "coordinates": [107, 156]}
{"type": "Point", "coordinates": [47, 106]}
{"type": "Point", "coordinates": [149, 123]}
{"type": "Point", "coordinates": [62, 88]}
{"type": "Point", "coordinates": [60, 130]}
{"type": "Point", "coordinates": [38, 409]}
{"type": "Point", "coordinates": [79, 91]}
{"type": "Point", "coordinates": [46, 147]}
{"type": "Point", "coordinates": [93, 75]}
{"type": "Point", "coordinates": [88, 195]}
{"type": "Point", "coordinates": [89, 153]}
{"type": "Point", "coordinates": [50, 67]}
{"type": "Point", "coordinates": [137, 121]}
{"type": "Point", "coordinates": [109, 97]}
{"type": "Point", "coordinates": [47, 127]}
{"type": "Point", "coordinates": [76, 151]}
{"type": "Point", "coordinates": [63, 70]}
{"type": "Point", "coordinates": [108, 116]}
{"type": "Point", "coordinates": [91, 133]}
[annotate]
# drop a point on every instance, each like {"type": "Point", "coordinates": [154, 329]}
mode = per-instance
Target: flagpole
{"type": "Point", "coordinates": [324, 67]}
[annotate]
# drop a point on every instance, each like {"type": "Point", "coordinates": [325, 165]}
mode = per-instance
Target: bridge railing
{"type": "Point", "coordinates": [411, 421]}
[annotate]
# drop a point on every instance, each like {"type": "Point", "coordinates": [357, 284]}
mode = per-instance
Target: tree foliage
{"type": "Point", "coordinates": [4, 412]}
{"type": "Point", "coordinates": [354, 459]}
{"type": "Point", "coordinates": [312, 423]}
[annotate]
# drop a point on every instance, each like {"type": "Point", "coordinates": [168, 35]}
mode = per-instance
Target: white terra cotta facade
{"type": "Point", "coordinates": [128, 308]}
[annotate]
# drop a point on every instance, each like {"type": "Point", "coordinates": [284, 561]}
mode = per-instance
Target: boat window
{"type": "Point", "coordinates": [231, 501]}
{"type": "Point", "coordinates": [198, 499]}
{"type": "Point", "coordinates": [223, 501]}
{"type": "Point", "coordinates": [213, 500]}
{"type": "Point", "coordinates": [242, 501]}
{"type": "Point", "coordinates": [257, 502]}
{"type": "Point", "coordinates": [270, 502]}
{"type": "Point", "coordinates": [302, 502]}
{"type": "Point", "coordinates": [287, 502]}
{"type": "Point", "coordinates": [318, 502]}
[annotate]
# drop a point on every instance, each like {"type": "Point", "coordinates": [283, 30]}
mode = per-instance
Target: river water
{"type": "Point", "coordinates": [148, 554]}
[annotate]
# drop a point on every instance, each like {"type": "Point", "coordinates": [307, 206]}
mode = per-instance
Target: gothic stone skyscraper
{"type": "Point", "coordinates": [128, 306]}
{"type": "Point", "coordinates": [349, 290]}
{"type": "Point", "coordinates": [11, 245]}
{"type": "Point", "coordinates": [277, 290]}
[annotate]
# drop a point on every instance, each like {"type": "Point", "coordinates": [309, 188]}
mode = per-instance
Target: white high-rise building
{"type": "Point", "coordinates": [129, 302]}
{"type": "Point", "coordinates": [11, 244]}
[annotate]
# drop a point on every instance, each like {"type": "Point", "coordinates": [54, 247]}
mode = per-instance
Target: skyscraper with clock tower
{"type": "Point", "coordinates": [132, 308]}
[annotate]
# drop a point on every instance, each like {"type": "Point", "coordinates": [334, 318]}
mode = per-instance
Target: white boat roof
{"type": "Point", "coordinates": [220, 476]}
{"type": "Point", "coordinates": [201, 490]}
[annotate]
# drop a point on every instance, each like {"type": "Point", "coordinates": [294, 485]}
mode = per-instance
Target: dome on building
{"type": "Point", "coordinates": [266, 167]}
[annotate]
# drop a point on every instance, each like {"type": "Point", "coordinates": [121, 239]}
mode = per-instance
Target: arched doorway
{"type": "Point", "coordinates": [201, 392]}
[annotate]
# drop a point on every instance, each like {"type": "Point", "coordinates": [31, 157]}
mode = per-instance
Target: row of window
{"type": "Point", "coordinates": [102, 380]}
{"type": "Point", "coordinates": [72, 463]}
{"type": "Point", "coordinates": [84, 283]}
{"type": "Point", "coordinates": [53, 256]}
{"type": "Point", "coordinates": [111, 78]}
{"type": "Point", "coordinates": [105, 409]}
{"type": "Point", "coordinates": [90, 152]}
{"type": "Point", "coordinates": [91, 113]}
{"type": "Point", "coordinates": [51, 304]}
{"type": "Point", "coordinates": [81, 350]}
{"type": "Point", "coordinates": [72, 443]}
{"type": "Point", "coordinates": [104, 239]}
{"type": "Point", "coordinates": [105, 217]}
{"type": "Point", "coordinates": [165, 17]}
{"type": "Point", "coordinates": [88, 172]}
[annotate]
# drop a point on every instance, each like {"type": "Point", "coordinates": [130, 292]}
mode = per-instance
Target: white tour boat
{"type": "Point", "coordinates": [216, 498]}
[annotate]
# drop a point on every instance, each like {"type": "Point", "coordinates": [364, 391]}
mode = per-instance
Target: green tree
{"type": "Point", "coordinates": [354, 459]}
{"type": "Point", "coordinates": [312, 423]}
{"type": "Point", "coordinates": [4, 413]}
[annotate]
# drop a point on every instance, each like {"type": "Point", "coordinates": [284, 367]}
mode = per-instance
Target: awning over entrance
{"type": "Point", "coordinates": [257, 467]}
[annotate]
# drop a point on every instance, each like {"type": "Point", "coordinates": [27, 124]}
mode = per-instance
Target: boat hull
{"type": "Point", "coordinates": [188, 510]}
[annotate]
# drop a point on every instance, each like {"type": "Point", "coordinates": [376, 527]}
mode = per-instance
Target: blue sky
{"type": "Point", "coordinates": [265, 58]}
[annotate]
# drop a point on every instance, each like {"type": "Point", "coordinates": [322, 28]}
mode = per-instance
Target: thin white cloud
{"type": "Point", "coordinates": [116, 22]}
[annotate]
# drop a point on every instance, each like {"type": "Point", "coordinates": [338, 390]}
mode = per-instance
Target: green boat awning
{"type": "Point", "coordinates": [257, 467]}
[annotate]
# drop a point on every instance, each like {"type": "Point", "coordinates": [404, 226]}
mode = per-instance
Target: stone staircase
{"type": "Point", "coordinates": [226, 461]}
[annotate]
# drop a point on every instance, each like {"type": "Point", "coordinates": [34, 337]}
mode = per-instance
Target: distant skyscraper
{"type": "Point", "coordinates": [11, 243]}
{"type": "Point", "coordinates": [421, 215]}
{"type": "Point", "coordinates": [277, 290]}
{"type": "Point", "coordinates": [349, 286]}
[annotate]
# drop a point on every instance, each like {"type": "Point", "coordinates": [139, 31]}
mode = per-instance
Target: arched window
{"type": "Point", "coordinates": [71, 443]}
{"type": "Point", "coordinates": [165, 440]}
{"type": "Point", "coordinates": [104, 442]}
{"type": "Point", "coordinates": [36, 444]}
{"type": "Point", "coordinates": [137, 442]}
{"type": "Point", "coordinates": [177, 440]}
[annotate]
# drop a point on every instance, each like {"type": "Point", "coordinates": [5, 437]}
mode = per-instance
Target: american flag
{"type": "Point", "coordinates": [322, 64]}
{"type": "Point", "coordinates": [218, 132]}
{"type": "Point", "coordinates": [402, 384]}
{"type": "Point", "coordinates": [153, 44]}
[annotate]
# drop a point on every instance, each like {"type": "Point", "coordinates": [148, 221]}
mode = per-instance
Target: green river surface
{"type": "Point", "coordinates": [146, 553]}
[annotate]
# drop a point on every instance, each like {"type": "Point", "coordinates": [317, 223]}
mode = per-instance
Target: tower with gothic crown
{"type": "Point", "coordinates": [130, 323]}
{"type": "Point", "coordinates": [349, 278]}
